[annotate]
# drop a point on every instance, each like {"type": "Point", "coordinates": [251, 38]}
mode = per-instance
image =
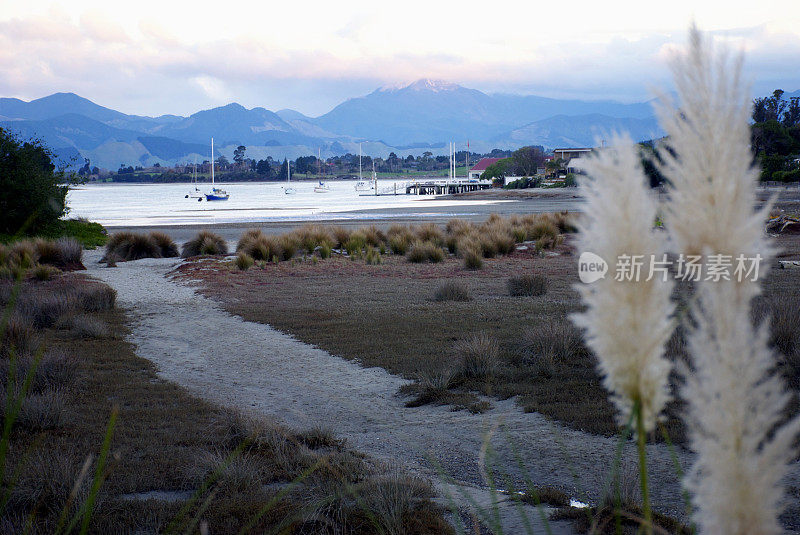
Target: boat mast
{"type": "Point", "coordinates": [359, 163]}
{"type": "Point", "coordinates": [212, 163]}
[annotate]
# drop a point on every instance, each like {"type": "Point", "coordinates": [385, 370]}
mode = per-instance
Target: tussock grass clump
{"type": "Point", "coordinates": [453, 290]}
{"type": "Point", "coordinates": [83, 326]}
{"type": "Point", "coordinates": [165, 243]}
{"type": "Point", "coordinates": [205, 243]}
{"type": "Point", "coordinates": [373, 236]}
{"type": "Point", "coordinates": [244, 261]}
{"type": "Point", "coordinates": [340, 236]}
{"type": "Point", "coordinates": [325, 250]}
{"type": "Point", "coordinates": [543, 229]}
{"type": "Point", "coordinates": [319, 437]}
{"type": "Point", "coordinates": [48, 481]}
{"type": "Point", "coordinates": [400, 239]}
{"type": "Point", "coordinates": [45, 410]}
{"type": "Point", "coordinates": [480, 355]}
{"type": "Point", "coordinates": [502, 241]}
{"type": "Point", "coordinates": [126, 246]}
{"type": "Point", "coordinates": [430, 232]}
{"type": "Point", "coordinates": [546, 495]}
{"type": "Point", "coordinates": [258, 245]}
{"type": "Point", "coordinates": [40, 305]}
{"type": "Point", "coordinates": [70, 253]}
{"type": "Point", "coordinates": [18, 339]}
{"type": "Point", "coordinates": [44, 272]}
{"type": "Point", "coordinates": [373, 257]}
{"type": "Point", "coordinates": [459, 227]}
{"type": "Point", "coordinates": [425, 252]}
{"type": "Point", "coordinates": [312, 236]}
{"type": "Point", "coordinates": [356, 243]}
{"type": "Point", "coordinates": [527, 285]}
{"type": "Point", "coordinates": [557, 341]}
{"type": "Point", "coordinates": [473, 257]}
{"type": "Point", "coordinates": [287, 247]}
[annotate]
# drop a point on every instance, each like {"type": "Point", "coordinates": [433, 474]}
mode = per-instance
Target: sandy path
{"type": "Point", "coordinates": [256, 368]}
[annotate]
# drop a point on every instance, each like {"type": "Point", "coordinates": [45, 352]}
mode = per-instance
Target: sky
{"type": "Point", "coordinates": [155, 57]}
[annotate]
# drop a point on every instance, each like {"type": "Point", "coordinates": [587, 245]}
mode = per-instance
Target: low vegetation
{"type": "Point", "coordinates": [527, 285]}
{"type": "Point", "coordinates": [126, 246]}
{"type": "Point", "coordinates": [205, 243]}
{"type": "Point", "coordinates": [176, 462]}
{"type": "Point", "coordinates": [424, 243]}
{"type": "Point", "coordinates": [453, 291]}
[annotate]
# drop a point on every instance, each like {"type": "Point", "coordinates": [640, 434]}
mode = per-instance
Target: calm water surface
{"type": "Point", "coordinates": [165, 204]}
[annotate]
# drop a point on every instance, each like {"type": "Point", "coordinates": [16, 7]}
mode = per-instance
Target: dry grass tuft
{"type": "Point", "coordinates": [425, 252]}
{"type": "Point", "coordinates": [244, 261]}
{"type": "Point", "coordinates": [44, 272]}
{"type": "Point", "coordinates": [453, 290]}
{"type": "Point", "coordinates": [479, 354]}
{"type": "Point", "coordinates": [165, 244]}
{"type": "Point", "coordinates": [205, 243]}
{"type": "Point", "coordinates": [551, 344]}
{"type": "Point", "coordinates": [126, 246]}
{"type": "Point", "coordinates": [527, 285]}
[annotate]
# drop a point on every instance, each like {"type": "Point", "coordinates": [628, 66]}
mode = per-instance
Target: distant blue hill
{"type": "Point", "coordinates": [406, 119]}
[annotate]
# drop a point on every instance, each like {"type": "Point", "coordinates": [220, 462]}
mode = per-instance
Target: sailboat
{"type": "Point", "coordinates": [362, 185]}
{"type": "Point", "coordinates": [321, 187]}
{"type": "Point", "coordinates": [289, 190]}
{"type": "Point", "coordinates": [196, 193]}
{"type": "Point", "coordinates": [216, 194]}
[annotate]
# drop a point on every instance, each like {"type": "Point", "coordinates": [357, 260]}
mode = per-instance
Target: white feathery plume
{"type": "Point", "coordinates": [627, 322]}
{"type": "Point", "coordinates": [735, 400]}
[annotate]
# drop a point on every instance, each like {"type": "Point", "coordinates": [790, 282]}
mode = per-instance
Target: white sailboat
{"type": "Point", "coordinates": [215, 194]}
{"type": "Point", "coordinates": [194, 194]}
{"type": "Point", "coordinates": [289, 190]}
{"type": "Point", "coordinates": [321, 187]}
{"type": "Point", "coordinates": [362, 185]}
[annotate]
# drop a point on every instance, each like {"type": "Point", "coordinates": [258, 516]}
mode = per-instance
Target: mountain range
{"type": "Point", "coordinates": [407, 119]}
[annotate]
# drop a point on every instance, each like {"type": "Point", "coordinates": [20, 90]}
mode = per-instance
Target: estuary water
{"type": "Point", "coordinates": [129, 205]}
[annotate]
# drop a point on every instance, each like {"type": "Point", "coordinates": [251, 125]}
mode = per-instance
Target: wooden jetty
{"type": "Point", "coordinates": [445, 187]}
{"type": "Point", "coordinates": [430, 187]}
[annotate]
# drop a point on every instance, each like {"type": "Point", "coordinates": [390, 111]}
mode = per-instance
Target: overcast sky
{"type": "Point", "coordinates": [152, 57]}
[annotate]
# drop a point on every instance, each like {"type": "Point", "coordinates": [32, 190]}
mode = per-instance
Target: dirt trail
{"type": "Point", "coordinates": [258, 369]}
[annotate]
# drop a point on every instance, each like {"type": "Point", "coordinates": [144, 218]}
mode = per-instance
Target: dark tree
{"type": "Point", "coordinates": [238, 155]}
{"type": "Point", "coordinates": [527, 160]}
{"type": "Point", "coordinates": [32, 191]}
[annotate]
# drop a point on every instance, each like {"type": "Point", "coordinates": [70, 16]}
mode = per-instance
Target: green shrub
{"type": "Point", "coordinates": [33, 192]}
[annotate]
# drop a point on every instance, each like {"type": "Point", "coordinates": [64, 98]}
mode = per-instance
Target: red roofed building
{"type": "Point", "coordinates": [480, 167]}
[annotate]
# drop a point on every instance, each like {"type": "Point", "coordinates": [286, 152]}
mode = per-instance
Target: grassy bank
{"type": "Point", "coordinates": [457, 332]}
{"type": "Point", "coordinates": [87, 233]}
{"type": "Point", "coordinates": [175, 462]}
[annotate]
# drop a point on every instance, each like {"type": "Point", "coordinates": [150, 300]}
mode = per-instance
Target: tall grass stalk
{"type": "Point", "coordinates": [627, 319]}
{"type": "Point", "coordinates": [735, 400]}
